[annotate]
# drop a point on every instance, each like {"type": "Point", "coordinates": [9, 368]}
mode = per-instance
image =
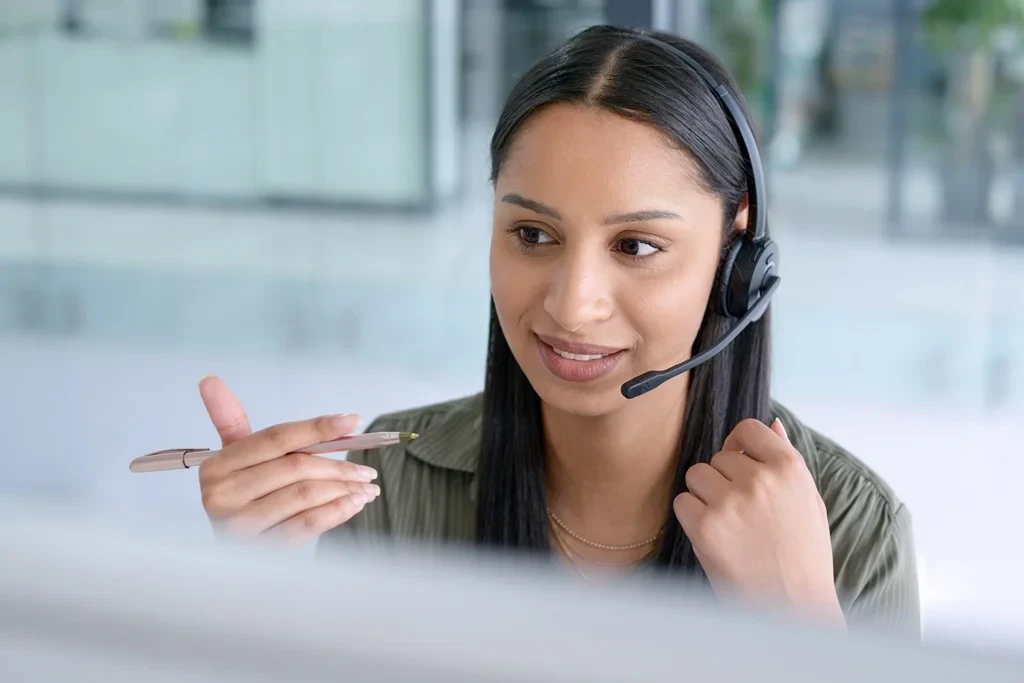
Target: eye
{"type": "Point", "coordinates": [532, 236]}
{"type": "Point", "coordinates": [637, 248]}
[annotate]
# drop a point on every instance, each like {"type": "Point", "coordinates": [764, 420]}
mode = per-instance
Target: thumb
{"type": "Point", "coordinates": [780, 430]}
{"type": "Point", "coordinates": [225, 410]}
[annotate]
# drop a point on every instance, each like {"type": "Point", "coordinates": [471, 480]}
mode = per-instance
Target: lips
{"type": "Point", "coordinates": [575, 362]}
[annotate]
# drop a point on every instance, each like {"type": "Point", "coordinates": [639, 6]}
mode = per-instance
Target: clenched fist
{"type": "Point", "coordinates": [757, 522]}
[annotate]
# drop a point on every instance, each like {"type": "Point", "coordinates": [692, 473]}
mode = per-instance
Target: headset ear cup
{"type": "Point", "coordinates": [720, 291]}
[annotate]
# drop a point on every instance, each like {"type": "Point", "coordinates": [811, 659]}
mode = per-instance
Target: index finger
{"type": "Point", "coordinates": [757, 441]}
{"type": "Point", "coordinates": [284, 438]}
{"type": "Point", "coordinates": [225, 410]}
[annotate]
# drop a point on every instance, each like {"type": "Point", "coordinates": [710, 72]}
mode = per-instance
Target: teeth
{"type": "Point", "coordinates": [578, 356]}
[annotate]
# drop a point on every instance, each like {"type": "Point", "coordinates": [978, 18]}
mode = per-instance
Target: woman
{"type": "Point", "coordinates": [619, 182]}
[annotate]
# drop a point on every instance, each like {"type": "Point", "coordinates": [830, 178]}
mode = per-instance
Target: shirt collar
{"type": "Point", "coordinates": [452, 440]}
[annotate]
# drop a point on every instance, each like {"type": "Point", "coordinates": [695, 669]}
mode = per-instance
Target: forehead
{"type": "Point", "coordinates": [566, 152]}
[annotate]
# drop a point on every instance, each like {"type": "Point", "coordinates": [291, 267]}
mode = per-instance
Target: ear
{"type": "Point", "coordinates": [742, 214]}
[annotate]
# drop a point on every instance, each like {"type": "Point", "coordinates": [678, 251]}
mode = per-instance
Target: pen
{"type": "Point", "coordinates": [183, 458]}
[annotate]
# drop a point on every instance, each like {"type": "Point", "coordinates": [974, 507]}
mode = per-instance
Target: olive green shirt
{"type": "Point", "coordinates": [428, 495]}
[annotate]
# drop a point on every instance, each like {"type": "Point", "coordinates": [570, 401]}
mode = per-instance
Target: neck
{"type": "Point", "coordinates": [610, 477]}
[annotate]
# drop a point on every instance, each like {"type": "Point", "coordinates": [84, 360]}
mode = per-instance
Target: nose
{"type": "Point", "coordinates": [579, 293]}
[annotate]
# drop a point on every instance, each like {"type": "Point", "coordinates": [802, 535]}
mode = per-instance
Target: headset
{"type": "Point", "coordinates": [747, 276]}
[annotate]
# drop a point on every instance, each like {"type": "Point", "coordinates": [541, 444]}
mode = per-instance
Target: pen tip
{"type": "Point", "coordinates": [408, 436]}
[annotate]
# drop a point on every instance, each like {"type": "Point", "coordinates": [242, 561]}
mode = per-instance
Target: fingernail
{"type": "Point", "coordinates": [367, 472]}
{"type": "Point", "coordinates": [360, 499]}
{"type": "Point", "coordinates": [345, 422]}
{"type": "Point", "coordinates": [371, 490]}
{"type": "Point", "coordinates": [781, 427]}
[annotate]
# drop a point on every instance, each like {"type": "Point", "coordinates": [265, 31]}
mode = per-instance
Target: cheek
{"type": "Point", "coordinates": [669, 313]}
{"type": "Point", "coordinates": [514, 286]}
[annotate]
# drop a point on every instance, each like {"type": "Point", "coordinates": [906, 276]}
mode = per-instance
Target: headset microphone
{"type": "Point", "coordinates": [650, 380]}
{"type": "Point", "coordinates": [748, 275]}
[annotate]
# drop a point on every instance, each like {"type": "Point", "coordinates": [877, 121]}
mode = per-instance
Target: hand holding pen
{"type": "Point", "coordinates": [261, 484]}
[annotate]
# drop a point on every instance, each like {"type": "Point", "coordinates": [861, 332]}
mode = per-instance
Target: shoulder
{"type": "Point", "coordinates": [449, 432]}
{"type": "Point", "coordinates": [873, 552]}
{"type": "Point", "coordinates": [453, 413]}
{"type": "Point", "coordinates": [835, 469]}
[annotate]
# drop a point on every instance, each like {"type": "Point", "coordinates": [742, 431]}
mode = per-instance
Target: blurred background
{"type": "Point", "coordinates": [269, 189]}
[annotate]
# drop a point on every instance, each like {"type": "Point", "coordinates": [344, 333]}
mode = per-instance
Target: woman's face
{"type": "Point", "coordinates": [603, 254]}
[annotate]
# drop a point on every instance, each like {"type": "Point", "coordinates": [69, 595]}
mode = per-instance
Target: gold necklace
{"type": "Point", "coordinates": [557, 533]}
{"type": "Point", "coordinates": [594, 544]}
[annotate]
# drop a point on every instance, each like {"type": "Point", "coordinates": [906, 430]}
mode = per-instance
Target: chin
{"type": "Point", "coordinates": [584, 399]}
{"type": "Point", "coordinates": [581, 403]}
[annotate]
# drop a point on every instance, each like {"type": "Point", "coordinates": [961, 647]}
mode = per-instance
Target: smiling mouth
{"type": "Point", "coordinates": [576, 362]}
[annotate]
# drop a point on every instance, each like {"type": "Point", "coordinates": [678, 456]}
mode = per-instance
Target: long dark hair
{"type": "Point", "coordinates": [611, 68]}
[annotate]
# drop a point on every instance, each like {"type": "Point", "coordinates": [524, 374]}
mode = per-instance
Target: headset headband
{"type": "Point", "coordinates": [741, 128]}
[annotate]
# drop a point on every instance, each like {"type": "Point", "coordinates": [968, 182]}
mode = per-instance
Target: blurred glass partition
{"type": "Point", "coordinates": [532, 28]}
{"type": "Point", "coordinates": [358, 102]}
{"type": "Point", "coordinates": [306, 100]}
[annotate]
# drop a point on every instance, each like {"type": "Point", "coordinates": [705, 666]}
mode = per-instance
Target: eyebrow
{"type": "Point", "coordinates": [641, 216]}
{"type": "Point", "coordinates": [531, 204]}
{"type": "Point", "coordinates": [631, 217]}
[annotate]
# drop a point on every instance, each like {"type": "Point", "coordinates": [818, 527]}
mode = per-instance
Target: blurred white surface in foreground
{"type": "Point", "coordinates": [85, 603]}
